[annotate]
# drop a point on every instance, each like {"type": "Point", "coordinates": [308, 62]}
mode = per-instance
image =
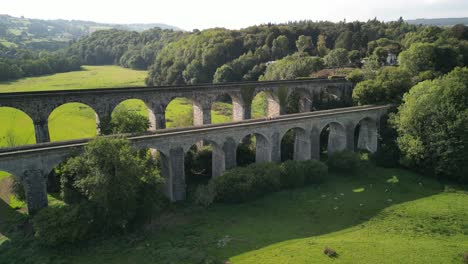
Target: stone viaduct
{"type": "Point", "coordinates": [347, 125]}
{"type": "Point", "coordinates": [39, 105]}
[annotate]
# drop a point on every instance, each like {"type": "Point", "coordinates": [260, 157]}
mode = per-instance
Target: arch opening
{"type": "Point", "coordinates": [297, 102]}
{"type": "Point", "coordinates": [73, 121]}
{"type": "Point", "coordinates": [201, 163]}
{"type": "Point", "coordinates": [139, 107]}
{"type": "Point", "coordinates": [180, 113]}
{"type": "Point", "coordinates": [17, 128]}
{"type": "Point", "coordinates": [366, 135]}
{"type": "Point", "coordinates": [295, 145]}
{"type": "Point", "coordinates": [332, 139]}
{"type": "Point", "coordinates": [260, 105]}
{"type": "Point", "coordinates": [253, 148]}
{"type": "Point", "coordinates": [222, 109]}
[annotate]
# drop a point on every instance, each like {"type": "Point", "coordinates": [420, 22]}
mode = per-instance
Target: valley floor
{"type": "Point", "coordinates": [377, 216]}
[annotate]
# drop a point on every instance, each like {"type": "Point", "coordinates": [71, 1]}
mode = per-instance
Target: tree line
{"type": "Point", "coordinates": [16, 63]}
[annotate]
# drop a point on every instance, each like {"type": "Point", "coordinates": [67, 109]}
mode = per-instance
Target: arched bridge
{"type": "Point", "coordinates": [39, 105]}
{"type": "Point", "coordinates": [33, 163]}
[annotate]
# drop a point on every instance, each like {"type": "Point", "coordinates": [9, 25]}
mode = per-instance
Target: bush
{"type": "Point", "coordinates": [344, 161]}
{"type": "Point", "coordinates": [115, 178]}
{"type": "Point", "coordinates": [293, 174]}
{"type": "Point", "coordinates": [66, 224]}
{"type": "Point", "coordinates": [315, 171]}
{"type": "Point", "coordinates": [300, 173]}
{"type": "Point", "coordinates": [247, 183]}
{"type": "Point", "coordinates": [205, 194]}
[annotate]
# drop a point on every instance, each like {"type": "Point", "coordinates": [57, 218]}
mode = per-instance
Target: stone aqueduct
{"type": "Point", "coordinates": [39, 105]}
{"type": "Point", "coordinates": [33, 163]}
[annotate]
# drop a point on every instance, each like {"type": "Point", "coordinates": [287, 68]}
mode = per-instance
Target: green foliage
{"type": "Point", "coordinates": [432, 124]}
{"type": "Point", "coordinates": [247, 183]}
{"type": "Point", "coordinates": [419, 57]}
{"type": "Point", "coordinates": [337, 58]}
{"type": "Point", "coordinates": [292, 67]}
{"type": "Point", "coordinates": [356, 76]}
{"type": "Point", "coordinates": [300, 173]}
{"type": "Point", "coordinates": [198, 163]}
{"type": "Point", "coordinates": [126, 121]}
{"type": "Point", "coordinates": [224, 73]}
{"type": "Point", "coordinates": [305, 44]}
{"type": "Point", "coordinates": [211, 48]}
{"type": "Point", "coordinates": [435, 57]}
{"type": "Point", "coordinates": [109, 174]}
{"type": "Point", "coordinates": [387, 87]}
{"type": "Point", "coordinates": [344, 162]}
{"type": "Point", "coordinates": [64, 225]}
{"type": "Point", "coordinates": [280, 47]}
{"type": "Point", "coordinates": [322, 49]}
{"type": "Point", "coordinates": [355, 57]}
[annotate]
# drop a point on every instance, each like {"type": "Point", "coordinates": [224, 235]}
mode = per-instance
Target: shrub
{"type": "Point", "coordinates": [315, 171]}
{"type": "Point", "coordinates": [343, 161]}
{"type": "Point", "coordinates": [114, 177]}
{"type": "Point", "coordinates": [293, 174]}
{"type": "Point", "coordinates": [299, 173]}
{"type": "Point", "coordinates": [247, 183]}
{"type": "Point", "coordinates": [266, 177]}
{"type": "Point", "coordinates": [205, 194]}
{"type": "Point", "coordinates": [66, 224]}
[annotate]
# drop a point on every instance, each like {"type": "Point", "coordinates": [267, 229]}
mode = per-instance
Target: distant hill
{"type": "Point", "coordinates": [439, 21]}
{"type": "Point", "coordinates": [41, 34]}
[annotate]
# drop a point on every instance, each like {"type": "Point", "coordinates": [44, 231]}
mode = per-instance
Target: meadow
{"type": "Point", "coordinates": [75, 120]}
{"type": "Point", "coordinates": [375, 216]}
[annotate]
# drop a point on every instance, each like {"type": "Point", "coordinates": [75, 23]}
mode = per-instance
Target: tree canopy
{"type": "Point", "coordinates": [432, 125]}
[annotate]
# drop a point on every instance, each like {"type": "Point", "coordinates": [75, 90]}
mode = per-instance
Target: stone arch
{"type": "Point", "coordinates": [366, 133]}
{"type": "Point", "coordinates": [260, 105]}
{"type": "Point", "coordinates": [272, 104]}
{"type": "Point", "coordinates": [333, 137]}
{"type": "Point", "coordinates": [139, 106]}
{"type": "Point", "coordinates": [73, 120]}
{"type": "Point", "coordinates": [180, 112]}
{"type": "Point", "coordinates": [12, 134]}
{"type": "Point", "coordinates": [254, 142]}
{"type": "Point", "coordinates": [222, 109]}
{"type": "Point", "coordinates": [295, 144]}
{"type": "Point", "coordinates": [209, 148]}
{"type": "Point", "coordinates": [304, 101]}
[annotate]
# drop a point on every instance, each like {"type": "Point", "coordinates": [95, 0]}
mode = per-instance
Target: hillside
{"type": "Point", "coordinates": [377, 216]}
{"type": "Point", "coordinates": [439, 21]}
{"type": "Point", "coordinates": [55, 34]}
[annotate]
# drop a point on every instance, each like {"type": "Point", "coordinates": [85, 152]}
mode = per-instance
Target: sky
{"type": "Point", "coordinates": [233, 14]}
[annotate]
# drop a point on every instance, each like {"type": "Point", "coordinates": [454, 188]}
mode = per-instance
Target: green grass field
{"type": "Point", "coordinates": [378, 216]}
{"type": "Point", "coordinates": [74, 120]}
{"type": "Point", "coordinates": [89, 78]}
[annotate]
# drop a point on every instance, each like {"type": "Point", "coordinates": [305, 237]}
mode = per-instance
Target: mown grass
{"type": "Point", "coordinates": [90, 77]}
{"type": "Point", "coordinates": [366, 218]}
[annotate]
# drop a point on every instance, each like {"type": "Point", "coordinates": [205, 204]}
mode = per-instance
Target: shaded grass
{"type": "Point", "coordinates": [413, 220]}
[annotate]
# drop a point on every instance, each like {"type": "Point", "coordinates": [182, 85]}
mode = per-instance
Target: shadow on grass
{"type": "Point", "coordinates": [195, 235]}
